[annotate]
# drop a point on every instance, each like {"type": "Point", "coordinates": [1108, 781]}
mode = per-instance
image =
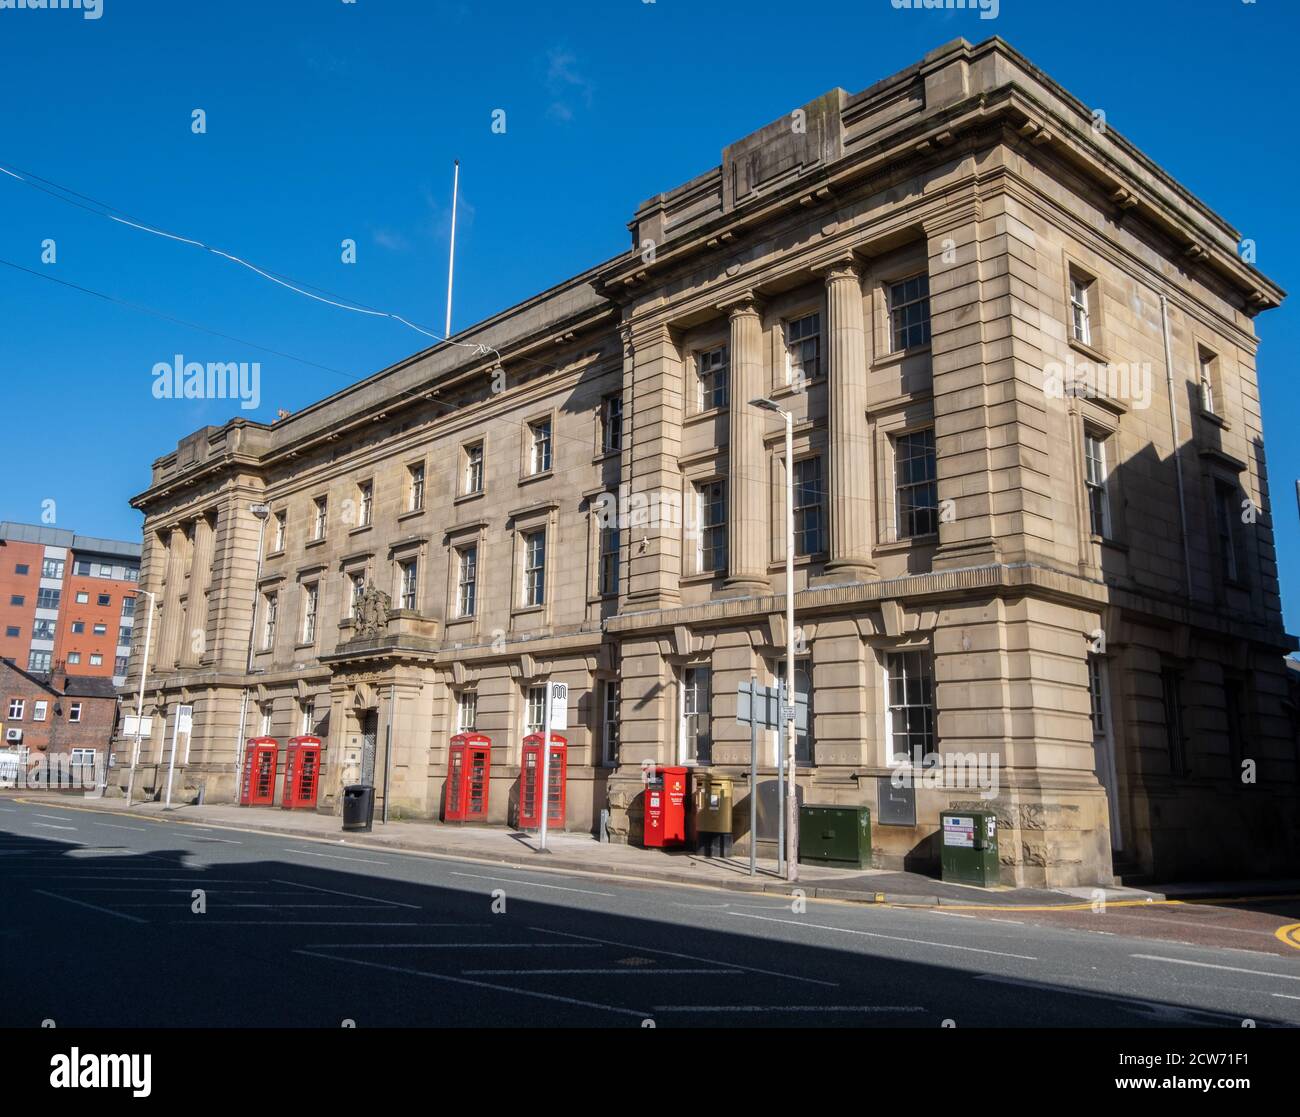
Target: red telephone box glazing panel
{"type": "Point", "coordinates": [257, 788]}
{"type": "Point", "coordinates": [469, 774]}
{"type": "Point", "coordinates": [557, 780]}
{"type": "Point", "coordinates": [301, 773]}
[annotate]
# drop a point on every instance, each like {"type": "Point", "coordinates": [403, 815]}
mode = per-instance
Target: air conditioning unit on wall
{"type": "Point", "coordinates": [13, 735]}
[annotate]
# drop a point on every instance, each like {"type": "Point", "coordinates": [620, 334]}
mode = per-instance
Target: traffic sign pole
{"type": "Point", "coordinates": [753, 775]}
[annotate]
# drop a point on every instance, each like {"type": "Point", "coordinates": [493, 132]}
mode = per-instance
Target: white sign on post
{"type": "Point", "coordinates": [558, 718]}
{"type": "Point", "coordinates": [184, 719]}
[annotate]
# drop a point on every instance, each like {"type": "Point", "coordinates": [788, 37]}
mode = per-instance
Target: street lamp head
{"type": "Point", "coordinates": [261, 511]}
{"type": "Point", "coordinates": [766, 404]}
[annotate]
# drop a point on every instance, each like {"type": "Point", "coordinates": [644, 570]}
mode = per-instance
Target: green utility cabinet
{"type": "Point", "coordinates": [835, 836]}
{"type": "Point", "coordinates": [969, 850]}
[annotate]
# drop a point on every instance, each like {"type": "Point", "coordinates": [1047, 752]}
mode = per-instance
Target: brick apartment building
{"type": "Point", "coordinates": [67, 601]}
{"type": "Point", "coordinates": [55, 717]}
{"type": "Point", "coordinates": [1072, 575]}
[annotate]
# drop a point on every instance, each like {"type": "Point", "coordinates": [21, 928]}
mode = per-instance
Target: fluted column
{"type": "Point", "coordinates": [850, 443]}
{"type": "Point", "coordinates": [747, 496]}
{"type": "Point", "coordinates": [173, 590]}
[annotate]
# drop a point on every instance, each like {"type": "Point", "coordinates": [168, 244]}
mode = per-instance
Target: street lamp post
{"type": "Point", "coordinates": [791, 804]}
{"type": "Point", "coordinates": [139, 701]}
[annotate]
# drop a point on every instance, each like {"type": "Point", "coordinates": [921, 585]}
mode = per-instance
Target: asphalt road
{"type": "Point", "coordinates": [109, 920]}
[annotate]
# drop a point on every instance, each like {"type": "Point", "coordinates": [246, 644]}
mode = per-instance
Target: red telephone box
{"type": "Point", "coordinates": [258, 786]}
{"type": "Point", "coordinates": [665, 807]}
{"type": "Point", "coordinates": [469, 771]}
{"type": "Point", "coordinates": [301, 772]}
{"type": "Point", "coordinates": [530, 817]}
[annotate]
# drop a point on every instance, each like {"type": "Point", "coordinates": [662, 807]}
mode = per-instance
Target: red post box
{"type": "Point", "coordinates": [530, 817]}
{"type": "Point", "coordinates": [665, 807]}
{"type": "Point", "coordinates": [258, 786]}
{"type": "Point", "coordinates": [301, 773]}
{"type": "Point", "coordinates": [469, 772]}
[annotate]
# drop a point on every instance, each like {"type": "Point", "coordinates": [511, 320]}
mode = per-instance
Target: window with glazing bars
{"type": "Point", "coordinates": [909, 312]}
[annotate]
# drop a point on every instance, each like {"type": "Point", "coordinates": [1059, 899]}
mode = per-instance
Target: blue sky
{"type": "Point", "coordinates": [328, 120]}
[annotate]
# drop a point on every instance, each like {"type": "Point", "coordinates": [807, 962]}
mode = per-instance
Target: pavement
{"type": "Point", "coordinates": [175, 919]}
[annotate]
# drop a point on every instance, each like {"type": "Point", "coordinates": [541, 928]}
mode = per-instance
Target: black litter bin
{"type": "Point", "coordinates": [358, 806]}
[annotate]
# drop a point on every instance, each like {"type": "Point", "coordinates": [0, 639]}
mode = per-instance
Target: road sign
{"type": "Point", "coordinates": [558, 717]}
{"type": "Point", "coordinates": [766, 708]}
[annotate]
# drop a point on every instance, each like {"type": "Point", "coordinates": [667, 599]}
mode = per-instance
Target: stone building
{"type": "Point", "coordinates": [1033, 527]}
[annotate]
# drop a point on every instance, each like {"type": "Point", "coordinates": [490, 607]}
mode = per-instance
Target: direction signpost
{"type": "Point", "coordinates": [763, 708]}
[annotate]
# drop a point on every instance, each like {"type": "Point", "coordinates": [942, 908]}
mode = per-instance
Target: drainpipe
{"type": "Point", "coordinates": [1178, 449]}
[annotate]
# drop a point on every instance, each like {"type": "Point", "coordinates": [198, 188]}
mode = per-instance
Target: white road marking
{"type": "Point", "coordinates": [481, 985]}
{"type": "Point", "coordinates": [788, 1008]}
{"type": "Point", "coordinates": [1286, 996]}
{"type": "Point", "coordinates": [206, 922]}
{"type": "Point", "coordinates": [950, 914]}
{"type": "Point", "coordinates": [877, 935]}
{"type": "Point", "coordinates": [1016, 922]}
{"type": "Point", "coordinates": [454, 945]}
{"type": "Point", "coordinates": [688, 957]}
{"type": "Point", "coordinates": [93, 907]}
{"type": "Point", "coordinates": [350, 895]}
{"type": "Point", "coordinates": [270, 907]}
{"type": "Point", "coordinates": [531, 884]}
{"type": "Point", "coordinates": [334, 856]}
{"type": "Point", "coordinates": [51, 826]}
{"type": "Point", "coordinates": [56, 817]}
{"type": "Point", "coordinates": [1212, 966]}
{"type": "Point", "coordinates": [1161, 1011]}
{"type": "Point", "coordinates": [594, 973]}
{"type": "Point", "coordinates": [226, 841]}
{"type": "Point", "coordinates": [117, 826]}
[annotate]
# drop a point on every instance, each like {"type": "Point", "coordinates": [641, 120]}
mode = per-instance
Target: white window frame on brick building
{"type": "Point", "coordinates": [1096, 481]}
{"type": "Point", "coordinates": [466, 711]}
{"type": "Point", "coordinates": [472, 472]}
{"type": "Point", "coordinates": [415, 487]}
{"type": "Point", "coordinates": [809, 507]}
{"type": "Point", "coordinates": [17, 707]}
{"type": "Point", "coordinates": [695, 714]}
{"type": "Point", "coordinates": [534, 708]}
{"type": "Point", "coordinates": [533, 565]}
{"type": "Point", "coordinates": [466, 580]}
{"type": "Point", "coordinates": [540, 449]}
{"type": "Point", "coordinates": [408, 584]}
{"type": "Point", "coordinates": [270, 615]}
{"type": "Point", "coordinates": [310, 610]}
{"type": "Point", "coordinates": [711, 526]}
{"type": "Point", "coordinates": [910, 715]}
{"type": "Point", "coordinates": [712, 376]}
{"type": "Point", "coordinates": [365, 503]}
{"type": "Point", "coordinates": [610, 697]}
{"type": "Point", "coordinates": [1208, 368]}
{"type": "Point", "coordinates": [803, 349]}
{"type": "Point", "coordinates": [611, 424]}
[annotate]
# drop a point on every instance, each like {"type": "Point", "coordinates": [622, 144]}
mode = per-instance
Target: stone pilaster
{"type": "Point", "coordinates": [747, 530]}
{"type": "Point", "coordinates": [650, 496]}
{"type": "Point", "coordinates": [850, 440]}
